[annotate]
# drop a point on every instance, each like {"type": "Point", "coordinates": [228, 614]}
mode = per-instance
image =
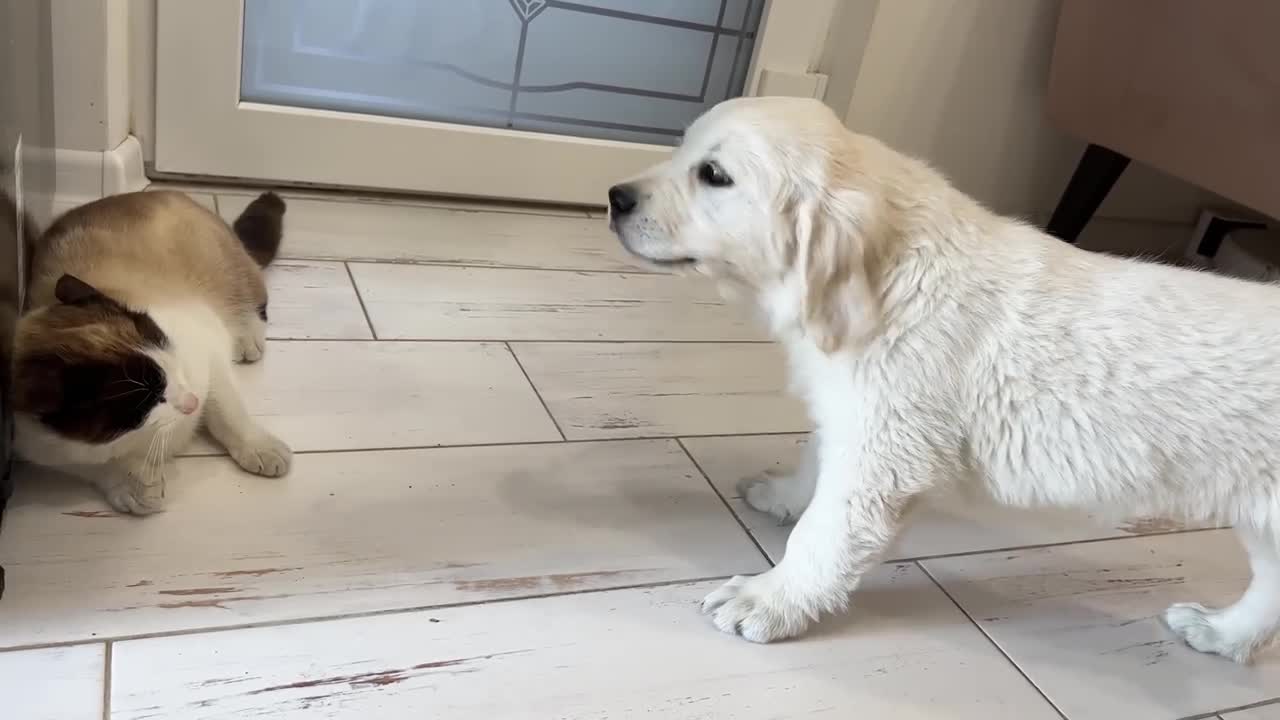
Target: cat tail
{"type": "Point", "coordinates": [261, 226]}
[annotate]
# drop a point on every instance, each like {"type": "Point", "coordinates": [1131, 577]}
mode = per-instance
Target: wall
{"type": "Point", "coordinates": [961, 83]}
{"type": "Point", "coordinates": [90, 73]}
{"type": "Point", "coordinates": [26, 187]}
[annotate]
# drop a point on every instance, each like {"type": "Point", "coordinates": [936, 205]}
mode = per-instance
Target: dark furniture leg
{"type": "Point", "coordinates": [1098, 170]}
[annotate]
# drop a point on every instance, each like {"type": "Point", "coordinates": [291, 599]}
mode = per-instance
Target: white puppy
{"type": "Point", "coordinates": [936, 342]}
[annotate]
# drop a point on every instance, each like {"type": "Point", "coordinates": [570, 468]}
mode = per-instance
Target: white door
{"type": "Point", "coordinates": [543, 100]}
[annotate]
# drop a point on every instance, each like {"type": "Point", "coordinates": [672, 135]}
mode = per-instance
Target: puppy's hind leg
{"type": "Point", "coordinates": [1236, 632]}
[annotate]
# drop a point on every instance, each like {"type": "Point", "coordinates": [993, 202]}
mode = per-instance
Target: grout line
{"type": "Point", "coordinates": [483, 266]}
{"type": "Point", "coordinates": [750, 535]}
{"type": "Point", "coordinates": [360, 298]}
{"type": "Point", "coordinates": [1221, 714]}
{"type": "Point", "coordinates": [518, 443]}
{"type": "Point", "coordinates": [1042, 546]}
{"type": "Point", "coordinates": [496, 341]}
{"type": "Point", "coordinates": [991, 640]}
{"type": "Point", "coordinates": [546, 408]}
{"type": "Point", "coordinates": [346, 197]}
{"type": "Point", "coordinates": [367, 614]}
{"type": "Point", "coordinates": [107, 659]}
{"type": "Point", "coordinates": [368, 196]}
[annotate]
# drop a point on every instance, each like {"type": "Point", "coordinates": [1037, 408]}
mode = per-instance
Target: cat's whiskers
{"type": "Point", "coordinates": [126, 379]}
{"type": "Point", "coordinates": [126, 393]}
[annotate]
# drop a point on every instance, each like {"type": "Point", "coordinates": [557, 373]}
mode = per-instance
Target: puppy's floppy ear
{"type": "Point", "coordinates": [841, 307]}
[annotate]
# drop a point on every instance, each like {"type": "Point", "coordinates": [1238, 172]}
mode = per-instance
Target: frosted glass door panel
{"type": "Point", "coordinates": [632, 70]}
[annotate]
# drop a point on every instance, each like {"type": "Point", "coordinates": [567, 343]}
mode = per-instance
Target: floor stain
{"type": "Point", "coordinates": [562, 581]}
{"type": "Point", "coordinates": [380, 678]}
{"type": "Point", "coordinates": [1146, 526]}
{"type": "Point", "coordinates": [610, 422]}
{"type": "Point", "coordinates": [92, 513]}
{"type": "Point", "coordinates": [206, 603]}
{"type": "Point", "coordinates": [254, 573]}
{"type": "Point", "coordinates": [201, 591]}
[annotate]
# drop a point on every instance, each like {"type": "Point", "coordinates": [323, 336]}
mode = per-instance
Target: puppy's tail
{"type": "Point", "coordinates": [261, 226]}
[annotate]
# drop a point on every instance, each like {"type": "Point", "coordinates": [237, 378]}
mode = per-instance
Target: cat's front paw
{"type": "Point", "coordinates": [251, 339]}
{"type": "Point", "coordinates": [139, 492]}
{"type": "Point", "coordinates": [264, 454]}
{"type": "Point", "coordinates": [250, 345]}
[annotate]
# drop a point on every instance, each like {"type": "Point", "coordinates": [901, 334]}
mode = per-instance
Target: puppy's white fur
{"type": "Point", "coordinates": [936, 342]}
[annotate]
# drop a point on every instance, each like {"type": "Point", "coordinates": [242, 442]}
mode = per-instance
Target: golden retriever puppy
{"type": "Point", "coordinates": [936, 342]}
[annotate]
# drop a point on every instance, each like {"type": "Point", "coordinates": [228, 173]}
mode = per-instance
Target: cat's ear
{"type": "Point", "coordinates": [71, 290]}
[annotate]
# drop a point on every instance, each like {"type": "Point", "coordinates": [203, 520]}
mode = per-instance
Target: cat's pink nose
{"type": "Point", "coordinates": [187, 403]}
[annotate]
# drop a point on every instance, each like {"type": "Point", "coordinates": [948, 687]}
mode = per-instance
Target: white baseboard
{"type": "Point", "coordinates": [122, 168]}
{"type": "Point", "coordinates": [81, 176]}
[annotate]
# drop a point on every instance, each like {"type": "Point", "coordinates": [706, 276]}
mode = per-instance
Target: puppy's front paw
{"type": "Point", "coordinates": [265, 454]}
{"type": "Point", "coordinates": [755, 608]}
{"type": "Point", "coordinates": [138, 493]}
{"type": "Point", "coordinates": [778, 495]}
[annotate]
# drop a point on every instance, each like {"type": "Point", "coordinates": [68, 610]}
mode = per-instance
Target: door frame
{"type": "Point", "coordinates": [201, 127]}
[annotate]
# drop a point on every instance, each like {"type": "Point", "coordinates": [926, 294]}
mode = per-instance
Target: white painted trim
{"type": "Point", "coordinates": [122, 168]}
{"type": "Point", "coordinates": [791, 39]}
{"type": "Point", "coordinates": [142, 75]}
{"type": "Point", "coordinates": [81, 176]}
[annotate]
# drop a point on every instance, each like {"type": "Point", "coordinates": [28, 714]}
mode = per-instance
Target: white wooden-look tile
{"type": "Point", "coordinates": [63, 683]}
{"type": "Point", "coordinates": [313, 300]}
{"type": "Point", "coordinates": [322, 229]}
{"type": "Point", "coordinates": [599, 390]}
{"type": "Point", "coordinates": [360, 532]}
{"type": "Point", "coordinates": [363, 395]}
{"type": "Point", "coordinates": [907, 653]}
{"type": "Point", "coordinates": [1080, 621]}
{"type": "Point", "coordinates": [942, 523]}
{"type": "Point", "coordinates": [452, 303]}
{"type": "Point", "coordinates": [1266, 712]}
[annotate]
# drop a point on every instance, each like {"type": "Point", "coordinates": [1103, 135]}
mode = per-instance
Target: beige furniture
{"type": "Point", "coordinates": [1190, 87]}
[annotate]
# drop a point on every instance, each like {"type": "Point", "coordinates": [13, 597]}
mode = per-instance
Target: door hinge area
{"type": "Point", "coordinates": [792, 84]}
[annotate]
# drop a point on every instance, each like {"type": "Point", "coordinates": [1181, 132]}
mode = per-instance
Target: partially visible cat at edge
{"type": "Point", "coordinates": [138, 305]}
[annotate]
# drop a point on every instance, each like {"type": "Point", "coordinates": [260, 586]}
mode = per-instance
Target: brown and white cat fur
{"type": "Point", "coordinates": [138, 305]}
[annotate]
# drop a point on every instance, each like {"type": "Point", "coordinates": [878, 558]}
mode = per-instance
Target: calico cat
{"type": "Point", "coordinates": [138, 304]}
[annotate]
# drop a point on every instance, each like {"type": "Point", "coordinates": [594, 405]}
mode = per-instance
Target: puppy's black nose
{"type": "Point", "coordinates": [622, 200]}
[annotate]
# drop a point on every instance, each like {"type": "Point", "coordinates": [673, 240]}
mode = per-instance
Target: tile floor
{"type": "Point", "coordinates": [517, 455]}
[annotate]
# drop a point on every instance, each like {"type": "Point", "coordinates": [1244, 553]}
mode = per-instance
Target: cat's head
{"type": "Point", "coordinates": [90, 369]}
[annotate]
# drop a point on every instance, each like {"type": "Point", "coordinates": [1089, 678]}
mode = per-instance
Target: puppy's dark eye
{"type": "Point", "coordinates": [711, 174]}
